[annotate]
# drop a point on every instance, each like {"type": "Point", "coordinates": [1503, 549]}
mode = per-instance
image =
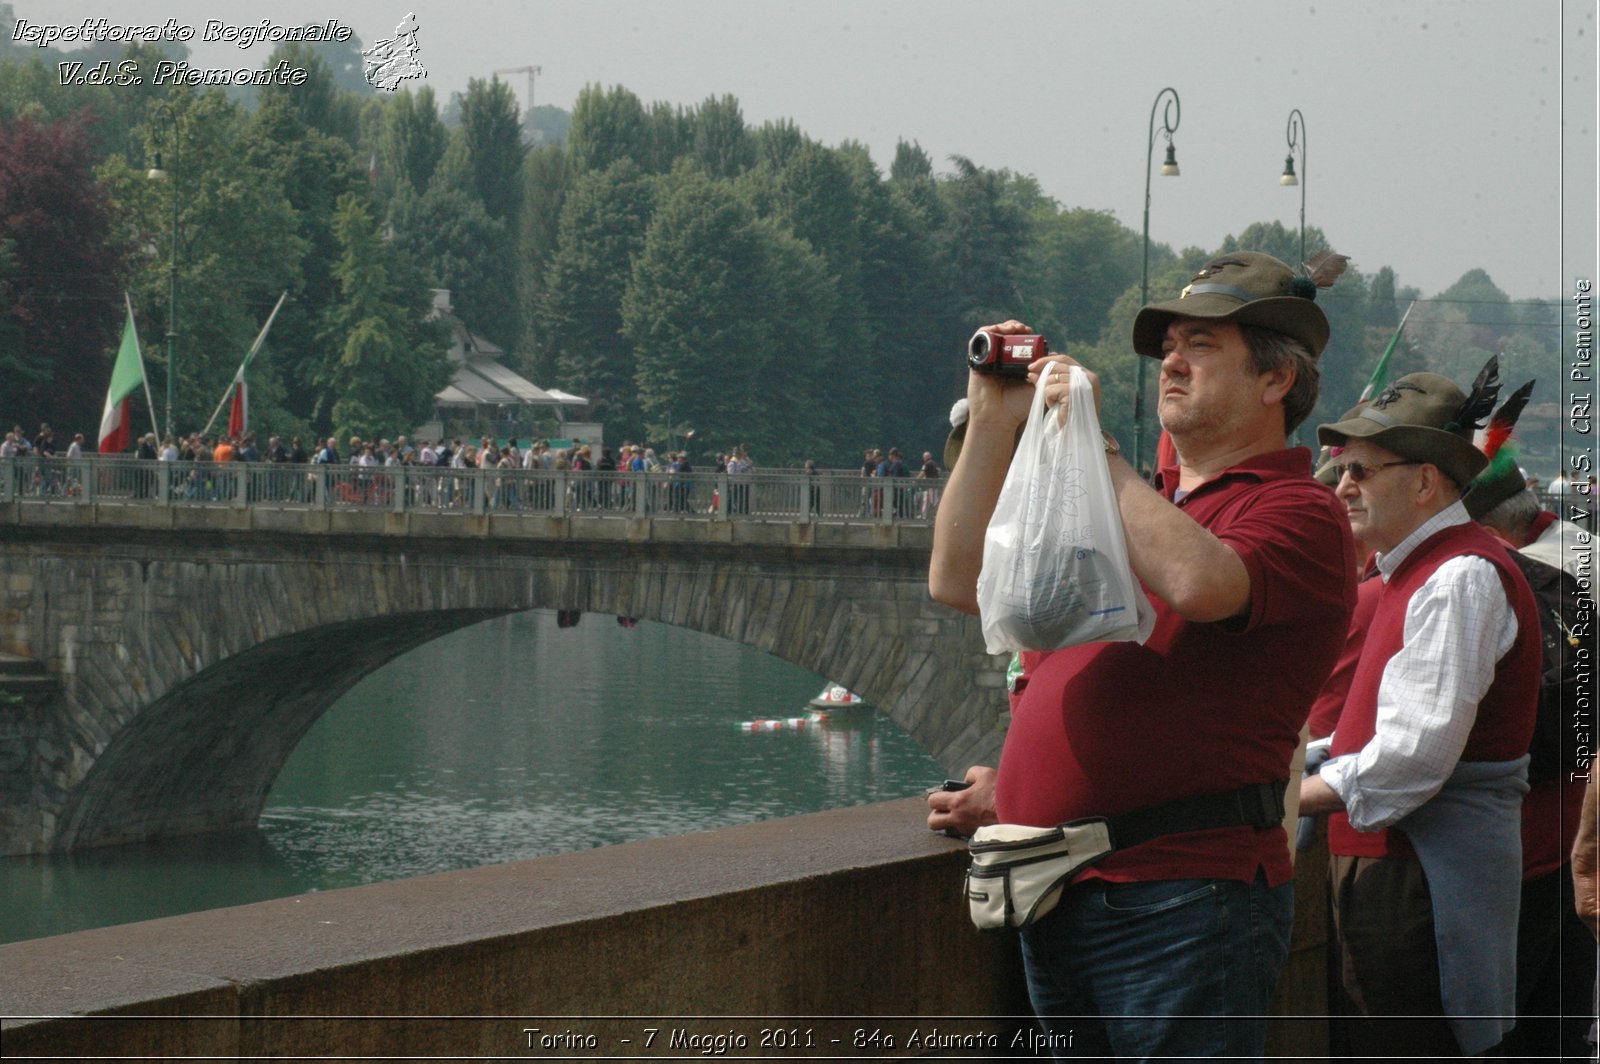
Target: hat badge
{"type": "Point", "coordinates": [1391, 394]}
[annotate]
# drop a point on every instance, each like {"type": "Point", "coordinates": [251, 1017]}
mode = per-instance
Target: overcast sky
{"type": "Point", "coordinates": [1438, 132]}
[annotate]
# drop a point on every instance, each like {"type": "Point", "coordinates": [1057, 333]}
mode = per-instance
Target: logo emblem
{"type": "Point", "coordinates": [1391, 394]}
{"type": "Point", "coordinates": [391, 61]}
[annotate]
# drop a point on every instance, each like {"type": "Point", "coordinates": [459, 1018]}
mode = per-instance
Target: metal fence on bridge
{"type": "Point", "coordinates": [835, 496]}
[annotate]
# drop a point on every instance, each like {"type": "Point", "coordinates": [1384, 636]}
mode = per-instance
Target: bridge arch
{"type": "Point", "coordinates": [190, 667]}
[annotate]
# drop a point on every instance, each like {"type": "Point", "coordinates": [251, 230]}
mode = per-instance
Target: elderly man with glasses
{"type": "Point", "coordinates": [1428, 764]}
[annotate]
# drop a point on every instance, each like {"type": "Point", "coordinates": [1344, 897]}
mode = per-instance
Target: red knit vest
{"type": "Point", "coordinates": [1504, 725]}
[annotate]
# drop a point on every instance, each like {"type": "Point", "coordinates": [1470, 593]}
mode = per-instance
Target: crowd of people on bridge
{"type": "Point", "coordinates": [917, 498]}
{"type": "Point", "coordinates": [1385, 602]}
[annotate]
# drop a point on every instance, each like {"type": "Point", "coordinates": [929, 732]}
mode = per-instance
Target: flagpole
{"type": "Point", "coordinates": [260, 339]}
{"type": "Point", "coordinates": [1380, 373]}
{"type": "Point", "coordinates": [147, 398]}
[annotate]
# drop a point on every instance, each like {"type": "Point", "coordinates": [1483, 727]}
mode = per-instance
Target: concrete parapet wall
{"type": "Point", "coordinates": [821, 925]}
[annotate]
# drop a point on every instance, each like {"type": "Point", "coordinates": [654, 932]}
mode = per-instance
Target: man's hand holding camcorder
{"type": "Point", "coordinates": [998, 402]}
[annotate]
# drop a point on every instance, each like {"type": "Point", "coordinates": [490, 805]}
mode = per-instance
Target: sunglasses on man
{"type": "Point", "coordinates": [1358, 471]}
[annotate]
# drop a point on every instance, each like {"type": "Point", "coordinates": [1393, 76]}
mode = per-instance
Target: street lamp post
{"type": "Point", "coordinates": [168, 119]}
{"type": "Point", "coordinates": [1169, 168]}
{"type": "Point", "coordinates": [1297, 138]}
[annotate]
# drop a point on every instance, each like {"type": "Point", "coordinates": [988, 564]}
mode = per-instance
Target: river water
{"type": "Point", "coordinates": [503, 741]}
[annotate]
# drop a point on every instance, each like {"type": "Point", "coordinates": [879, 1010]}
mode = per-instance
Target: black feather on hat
{"type": "Point", "coordinates": [1426, 418]}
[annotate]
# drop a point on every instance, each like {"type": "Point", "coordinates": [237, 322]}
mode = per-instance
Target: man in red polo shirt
{"type": "Point", "coordinates": [1428, 764]}
{"type": "Point", "coordinates": [1250, 565]}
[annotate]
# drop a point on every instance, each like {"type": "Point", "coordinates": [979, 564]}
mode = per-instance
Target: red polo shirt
{"type": "Point", "coordinates": [1200, 708]}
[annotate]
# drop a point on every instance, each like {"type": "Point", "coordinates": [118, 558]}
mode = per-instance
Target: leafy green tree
{"type": "Point", "coordinates": [984, 239]}
{"type": "Point", "coordinates": [911, 177]}
{"type": "Point", "coordinates": [721, 143]}
{"type": "Point", "coordinates": [549, 125]}
{"type": "Point", "coordinates": [385, 362]}
{"type": "Point", "coordinates": [815, 196]}
{"type": "Point", "coordinates": [727, 311]}
{"type": "Point", "coordinates": [312, 169]}
{"type": "Point", "coordinates": [544, 183]}
{"type": "Point", "coordinates": [1383, 309]}
{"type": "Point", "coordinates": [317, 103]}
{"type": "Point", "coordinates": [412, 141]}
{"type": "Point", "coordinates": [31, 84]}
{"type": "Point", "coordinates": [607, 125]}
{"type": "Point", "coordinates": [775, 142]}
{"type": "Point", "coordinates": [900, 287]}
{"type": "Point", "coordinates": [491, 133]}
{"type": "Point", "coordinates": [667, 137]}
{"type": "Point", "coordinates": [459, 247]}
{"type": "Point", "coordinates": [1463, 326]}
{"type": "Point", "coordinates": [1079, 261]}
{"type": "Point", "coordinates": [238, 249]}
{"type": "Point", "coordinates": [602, 231]}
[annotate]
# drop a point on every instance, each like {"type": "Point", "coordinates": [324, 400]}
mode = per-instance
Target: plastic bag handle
{"type": "Point", "coordinates": [1076, 378]}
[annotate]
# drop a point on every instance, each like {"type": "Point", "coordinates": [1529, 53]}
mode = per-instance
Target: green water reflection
{"type": "Point", "coordinates": [500, 742]}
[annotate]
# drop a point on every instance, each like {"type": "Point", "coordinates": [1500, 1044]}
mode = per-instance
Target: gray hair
{"type": "Point", "coordinates": [1515, 515]}
{"type": "Point", "coordinates": [1272, 350]}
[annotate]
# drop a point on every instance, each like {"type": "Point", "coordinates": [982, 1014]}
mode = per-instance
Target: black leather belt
{"type": "Point", "coordinates": [1256, 805]}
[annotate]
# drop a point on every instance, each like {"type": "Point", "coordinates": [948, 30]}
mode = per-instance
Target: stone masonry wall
{"type": "Point", "coordinates": [190, 665]}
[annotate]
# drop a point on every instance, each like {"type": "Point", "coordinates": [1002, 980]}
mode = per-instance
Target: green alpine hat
{"type": "Point", "coordinates": [1503, 478]}
{"type": "Point", "coordinates": [1423, 417]}
{"type": "Point", "coordinates": [1247, 287]}
{"type": "Point", "coordinates": [1499, 482]}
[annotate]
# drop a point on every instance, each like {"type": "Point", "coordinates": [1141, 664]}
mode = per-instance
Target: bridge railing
{"type": "Point", "coordinates": [834, 496]}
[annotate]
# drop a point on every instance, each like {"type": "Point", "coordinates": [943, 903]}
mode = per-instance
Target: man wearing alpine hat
{"type": "Point", "coordinates": [1184, 742]}
{"type": "Point", "coordinates": [1427, 766]}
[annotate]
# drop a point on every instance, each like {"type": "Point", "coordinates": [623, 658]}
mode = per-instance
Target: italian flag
{"type": "Point", "coordinates": [127, 377]}
{"type": "Point", "coordinates": [239, 411]}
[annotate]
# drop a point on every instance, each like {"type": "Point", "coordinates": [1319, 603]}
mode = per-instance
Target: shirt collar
{"type": "Point", "coordinates": [1269, 465]}
{"type": "Point", "coordinates": [1449, 517]}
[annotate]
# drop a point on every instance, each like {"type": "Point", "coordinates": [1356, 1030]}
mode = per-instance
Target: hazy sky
{"type": "Point", "coordinates": [1441, 135]}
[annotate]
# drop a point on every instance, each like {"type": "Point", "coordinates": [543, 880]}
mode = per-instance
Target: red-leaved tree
{"type": "Point", "coordinates": [61, 278]}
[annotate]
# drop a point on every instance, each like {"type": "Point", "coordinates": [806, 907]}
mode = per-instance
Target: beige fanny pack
{"type": "Point", "coordinates": [1018, 872]}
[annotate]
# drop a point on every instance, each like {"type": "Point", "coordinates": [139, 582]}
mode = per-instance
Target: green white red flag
{"type": "Point", "coordinates": [127, 377]}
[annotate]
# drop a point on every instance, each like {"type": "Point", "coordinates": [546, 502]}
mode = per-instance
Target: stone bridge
{"type": "Point", "coordinates": [185, 652]}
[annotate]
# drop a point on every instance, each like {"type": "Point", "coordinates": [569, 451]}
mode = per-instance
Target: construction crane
{"type": "Point", "coordinates": [532, 72]}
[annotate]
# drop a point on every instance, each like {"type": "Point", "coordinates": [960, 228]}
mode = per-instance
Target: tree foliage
{"type": "Point", "coordinates": [412, 141]}
{"type": "Point", "coordinates": [674, 265]}
{"type": "Point", "coordinates": [61, 274]}
{"type": "Point", "coordinates": [602, 232]}
{"type": "Point", "coordinates": [383, 362]}
{"type": "Point", "coordinates": [491, 133]}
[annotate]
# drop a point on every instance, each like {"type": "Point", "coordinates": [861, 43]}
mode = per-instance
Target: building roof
{"type": "Point", "coordinates": [480, 379]}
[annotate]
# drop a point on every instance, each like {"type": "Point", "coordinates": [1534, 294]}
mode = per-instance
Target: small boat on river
{"type": "Point", "coordinates": [836, 701]}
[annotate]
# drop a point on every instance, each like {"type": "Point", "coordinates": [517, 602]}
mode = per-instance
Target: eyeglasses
{"type": "Point", "coordinates": [1357, 472]}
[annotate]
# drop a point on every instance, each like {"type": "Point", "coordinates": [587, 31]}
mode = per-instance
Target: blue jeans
{"type": "Point", "coordinates": [1172, 968]}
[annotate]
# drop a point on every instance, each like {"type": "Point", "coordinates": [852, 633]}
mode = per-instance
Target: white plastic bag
{"type": "Point", "coordinates": [1055, 563]}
